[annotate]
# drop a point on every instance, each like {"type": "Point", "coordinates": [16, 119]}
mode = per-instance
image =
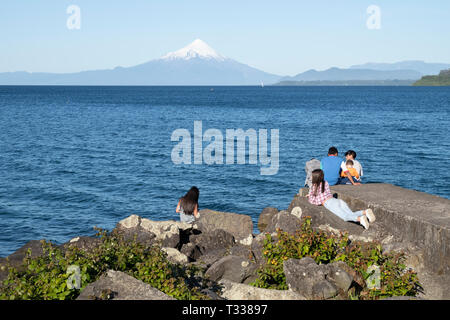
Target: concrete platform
{"type": "Point", "coordinates": [412, 216]}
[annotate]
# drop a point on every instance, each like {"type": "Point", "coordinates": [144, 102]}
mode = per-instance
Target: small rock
{"type": "Point", "coordinates": [238, 291]}
{"type": "Point", "coordinates": [297, 212]}
{"type": "Point", "coordinates": [175, 256]}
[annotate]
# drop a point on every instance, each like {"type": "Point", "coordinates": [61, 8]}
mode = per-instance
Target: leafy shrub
{"type": "Point", "coordinates": [325, 248]}
{"type": "Point", "coordinates": [45, 277]}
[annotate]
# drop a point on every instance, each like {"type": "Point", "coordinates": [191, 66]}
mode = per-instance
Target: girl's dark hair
{"type": "Point", "coordinates": [317, 179]}
{"type": "Point", "coordinates": [190, 200]}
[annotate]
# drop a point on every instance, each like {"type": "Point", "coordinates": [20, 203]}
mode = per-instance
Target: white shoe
{"type": "Point", "coordinates": [370, 215]}
{"type": "Point", "coordinates": [364, 222]}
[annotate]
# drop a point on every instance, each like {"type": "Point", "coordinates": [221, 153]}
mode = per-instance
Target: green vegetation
{"type": "Point", "coordinates": [45, 277]}
{"type": "Point", "coordinates": [396, 280]}
{"type": "Point", "coordinates": [443, 79]}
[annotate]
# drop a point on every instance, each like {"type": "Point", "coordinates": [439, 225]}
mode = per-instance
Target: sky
{"type": "Point", "coordinates": [283, 37]}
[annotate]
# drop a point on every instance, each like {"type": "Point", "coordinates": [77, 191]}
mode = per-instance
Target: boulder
{"type": "Point", "coordinates": [82, 243]}
{"type": "Point", "coordinates": [16, 259]}
{"type": "Point", "coordinates": [213, 240]}
{"type": "Point", "coordinates": [258, 246]}
{"type": "Point", "coordinates": [265, 217]}
{"type": "Point", "coordinates": [238, 291]}
{"type": "Point", "coordinates": [175, 256]}
{"type": "Point", "coordinates": [242, 251]}
{"type": "Point", "coordinates": [116, 285]}
{"type": "Point", "coordinates": [338, 275]}
{"type": "Point", "coordinates": [146, 231]}
{"type": "Point", "coordinates": [192, 251]}
{"type": "Point", "coordinates": [239, 225]}
{"type": "Point", "coordinates": [233, 268]}
{"type": "Point", "coordinates": [285, 221]}
{"type": "Point", "coordinates": [304, 276]}
{"type": "Point", "coordinates": [207, 247]}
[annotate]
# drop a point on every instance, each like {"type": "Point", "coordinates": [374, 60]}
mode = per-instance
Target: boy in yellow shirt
{"type": "Point", "coordinates": [353, 172]}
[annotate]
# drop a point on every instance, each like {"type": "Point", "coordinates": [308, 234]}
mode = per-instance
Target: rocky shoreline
{"type": "Point", "coordinates": [223, 246]}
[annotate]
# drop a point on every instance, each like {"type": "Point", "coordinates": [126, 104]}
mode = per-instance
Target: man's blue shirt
{"type": "Point", "coordinates": [331, 167]}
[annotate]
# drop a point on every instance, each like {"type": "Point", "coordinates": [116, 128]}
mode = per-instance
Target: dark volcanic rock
{"type": "Point", "coordinates": [212, 240]}
{"type": "Point", "coordinates": [82, 243]}
{"type": "Point", "coordinates": [15, 259]}
{"type": "Point", "coordinates": [239, 225]}
{"type": "Point", "coordinates": [284, 221]}
{"type": "Point", "coordinates": [265, 217]}
{"type": "Point", "coordinates": [232, 268]}
{"type": "Point", "coordinates": [316, 281]}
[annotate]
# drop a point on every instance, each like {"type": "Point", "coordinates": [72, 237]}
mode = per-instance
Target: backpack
{"type": "Point", "coordinates": [310, 166]}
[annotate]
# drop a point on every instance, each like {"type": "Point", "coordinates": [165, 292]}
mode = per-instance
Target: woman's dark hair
{"type": "Point", "coordinates": [351, 153]}
{"type": "Point", "coordinates": [190, 200]}
{"type": "Point", "coordinates": [317, 179]}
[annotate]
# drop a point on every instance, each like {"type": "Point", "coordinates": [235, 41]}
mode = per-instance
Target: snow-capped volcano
{"type": "Point", "coordinates": [196, 49]}
{"type": "Point", "coordinates": [195, 64]}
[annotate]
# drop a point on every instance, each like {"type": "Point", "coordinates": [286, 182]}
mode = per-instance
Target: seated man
{"type": "Point", "coordinates": [331, 166]}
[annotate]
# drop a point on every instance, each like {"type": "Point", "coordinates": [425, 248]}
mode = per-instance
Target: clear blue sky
{"type": "Point", "coordinates": [282, 37]}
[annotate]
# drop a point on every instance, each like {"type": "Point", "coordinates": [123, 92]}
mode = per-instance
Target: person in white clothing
{"type": "Point", "coordinates": [351, 155]}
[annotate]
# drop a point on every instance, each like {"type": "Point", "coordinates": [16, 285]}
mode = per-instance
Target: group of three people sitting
{"type": "Point", "coordinates": [337, 171]}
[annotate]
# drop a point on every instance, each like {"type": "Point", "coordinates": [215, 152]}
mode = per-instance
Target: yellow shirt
{"type": "Point", "coordinates": [352, 171]}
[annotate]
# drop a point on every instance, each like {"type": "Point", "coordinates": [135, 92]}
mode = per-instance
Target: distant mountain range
{"type": "Point", "coordinates": [199, 64]}
{"type": "Point", "coordinates": [337, 74]}
{"type": "Point", "coordinates": [420, 66]}
{"type": "Point", "coordinates": [398, 73]}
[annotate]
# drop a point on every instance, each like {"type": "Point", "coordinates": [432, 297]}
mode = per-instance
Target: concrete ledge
{"type": "Point", "coordinates": [420, 218]}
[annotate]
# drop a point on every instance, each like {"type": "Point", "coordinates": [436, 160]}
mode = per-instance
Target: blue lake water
{"type": "Point", "coordinates": [76, 157]}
